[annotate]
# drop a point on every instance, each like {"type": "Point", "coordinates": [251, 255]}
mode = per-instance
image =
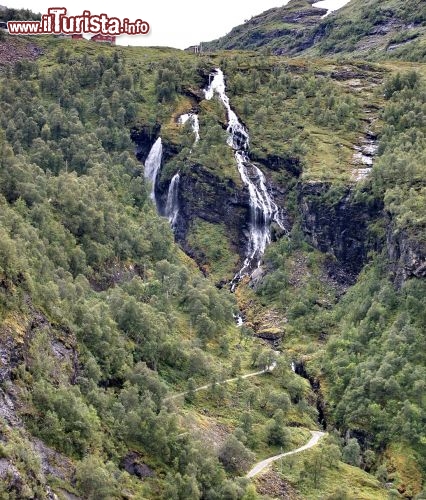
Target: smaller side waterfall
{"type": "Point", "coordinates": [238, 317]}
{"type": "Point", "coordinates": [172, 204]}
{"type": "Point", "coordinates": [153, 165]}
{"type": "Point", "coordinates": [196, 127]}
{"type": "Point", "coordinates": [195, 124]}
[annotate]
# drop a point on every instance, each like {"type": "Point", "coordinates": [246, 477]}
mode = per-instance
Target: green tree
{"type": "Point", "coordinates": [93, 479]}
{"type": "Point", "coordinates": [234, 456]}
{"type": "Point", "coordinates": [190, 391]}
{"type": "Point", "coordinates": [277, 433]}
{"type": "Point", "coordinates": [313, 467]}
{"type": "Point", "coordinates": [351, 453]}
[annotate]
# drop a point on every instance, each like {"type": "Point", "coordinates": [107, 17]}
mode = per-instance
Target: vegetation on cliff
{"type": "Point", "coordinates": [108, 328]}
{"type": "Point", "coordinates": [373, 29]}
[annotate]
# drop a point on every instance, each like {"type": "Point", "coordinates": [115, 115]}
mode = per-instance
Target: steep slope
{"type": "Point", "coordinates": [375, 29]}
{"type": "Point", "coordinates": [274, 28]}
{"type": "Point", "coordinates": [100, 312]}
{"type": "Point", "coordinates": [102, 317]}
{"type": "Point", "coordinates": [115, 348]}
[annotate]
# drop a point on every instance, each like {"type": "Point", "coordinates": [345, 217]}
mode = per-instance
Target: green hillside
{"type": "Point", "coordinates": [373, 29]}
{"type": "Point", "coordinates": [124, 372]}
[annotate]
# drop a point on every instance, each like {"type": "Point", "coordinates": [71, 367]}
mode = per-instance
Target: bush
{"type": "Point", "coordinates": [234, 456]}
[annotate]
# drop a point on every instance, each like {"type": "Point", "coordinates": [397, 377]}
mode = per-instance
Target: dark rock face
{"type": "Point", "coordinates": [132, 463]}
{"type": "Point", "coordinates": [338, 227]}
{"type": "Point", "coordinates": [300, 369]}
{"type": "Point", "coordinates": [205, 196]}
{"type": "Point", "coordinates": [306, 17]}
{"type": "Point", "coordinates": [202, 195]}
{"type": "Point", "coordinates": [407, 256]}
{"type": "Point", "coordinates": [144, 137]}
{"type": "Point", "coordinates": [211, 198]}
{"type": "Point", "coordinates": [276, 163]}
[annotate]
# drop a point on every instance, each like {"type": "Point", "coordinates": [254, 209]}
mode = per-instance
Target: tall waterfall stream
{"type": "Point", "coordinates": [263, 209]}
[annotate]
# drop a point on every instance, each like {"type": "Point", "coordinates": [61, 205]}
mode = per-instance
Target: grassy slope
{"type": "Point", "coordinates": [376, 29]}
{"type": "Point", "coordinates": [356, 484]}
{"type": "Point", "coordinates": [318, 167]}
{"type": "Point", "coordinates": [286, 113]}
{"type": "Point", "coordinates": [272, 28]}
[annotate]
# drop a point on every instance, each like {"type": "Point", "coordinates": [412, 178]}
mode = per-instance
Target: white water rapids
{"type": "Point", "coordinates": [263, 210]}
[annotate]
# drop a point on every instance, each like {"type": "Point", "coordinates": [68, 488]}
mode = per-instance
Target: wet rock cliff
{"type": "Point", "coordinates": [205, 196]}
{"type": "Point", "coordinates": [407, 256]}
{"type": "Point", "coordinates": [336, 223]}
{"type": "Point", "coordinates": [332, 219]}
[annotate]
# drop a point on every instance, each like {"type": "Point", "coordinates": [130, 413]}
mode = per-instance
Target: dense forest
{"type": "Point", "coordinates": [128, 367]}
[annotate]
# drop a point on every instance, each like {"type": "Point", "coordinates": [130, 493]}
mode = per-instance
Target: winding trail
{"type": "Point", "coordinates": [268, 369]}
{"type": "Point", "coordinates": [316, 436]}
{"type": "Point", "coordinates": [260, 466]}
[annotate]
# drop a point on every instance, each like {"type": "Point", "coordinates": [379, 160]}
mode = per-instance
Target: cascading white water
{"type": "Point", "coordinates": [263, 210]}
{"type": "Point", "coordinates": [153, 164]}
{"type": "Point", "coordinates": [196, 127]}
{"type": "Point", "coordinates": [195, 124]}
{"type": "Point", "coordinates": [172, 204]}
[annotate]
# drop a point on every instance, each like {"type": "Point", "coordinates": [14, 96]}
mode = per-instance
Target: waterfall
{"type": "Point", "coordinates": [152, 165]}
{"type": "Point", "coordinates": [263, 210]}
{"type": "Point", "coordinates": [172, 204]}
{"type": "Point", "coordinates": [195, 124]}
{"type": "Point", "coordinates": [196, 127]}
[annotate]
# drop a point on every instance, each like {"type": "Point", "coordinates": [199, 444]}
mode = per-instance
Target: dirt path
{"type": "Point", "coordinates": [316, 436]}
{"type": "Point", "coordinates": [269, 369]}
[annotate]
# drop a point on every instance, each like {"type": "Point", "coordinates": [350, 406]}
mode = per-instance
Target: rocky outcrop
{"type": "Point", "coordinates": [336, 223]}
{"type": "Point", "coordinates": [212, 198]}
{"type": "Point", "coordinates": [13, 50]}
{"type": "Point", "coordinates": [133, 464]}
{"type": "Point", "coordinates": [295, 25]}
{"type": "Point", "coordinates": [306, 17]}
{"type": "Point", "coordinates": [407, 256]}
{"type": "Point", "coordinates": [16, 335]}
{"type": "Point", "coordinates": [203, 195]}
{"type": "Point", "coordinates": [144, 137]}
{"type": "Point", "coordinates": [278, 163]}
